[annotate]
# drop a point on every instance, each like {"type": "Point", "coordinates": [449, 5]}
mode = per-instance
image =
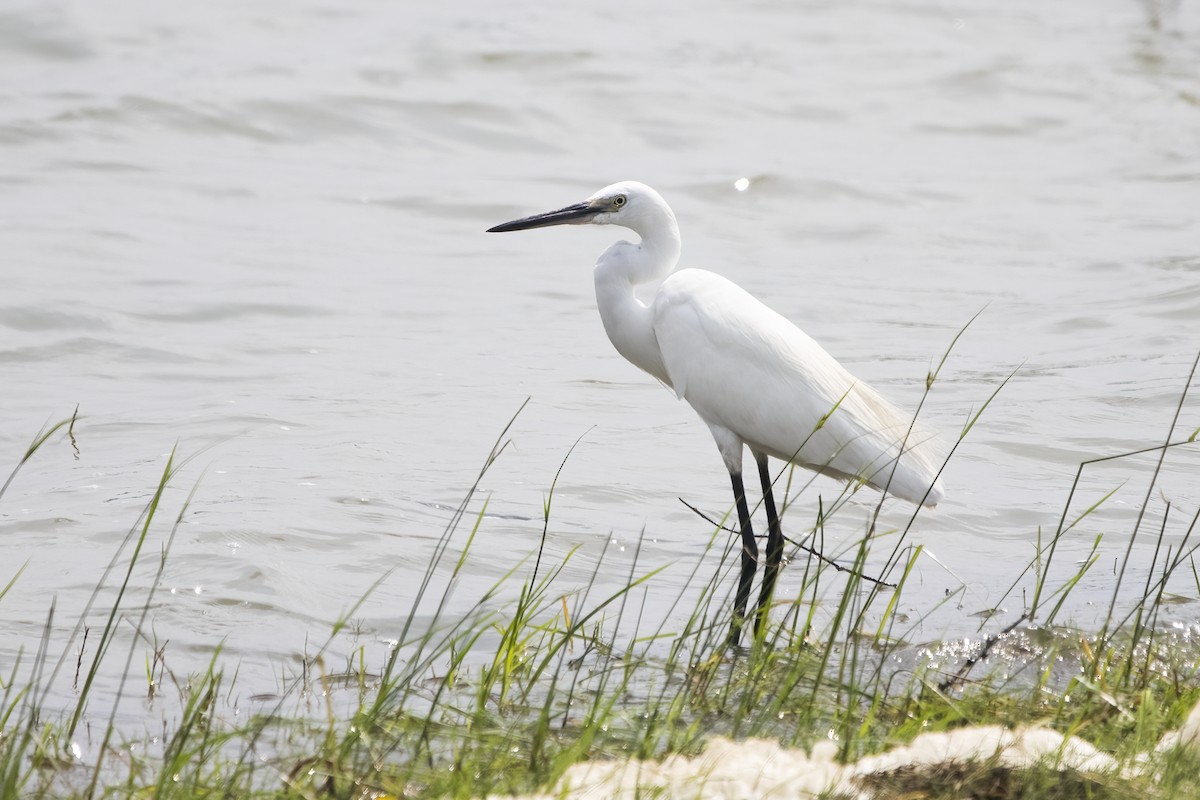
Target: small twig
{"type": "Point", "coordinates": [79, 658]}
{"type": "Point", "coordinates": [991, 641]}
{"type": "Point", "coordinates": [794, 543]}
{"type": "Point", "coordinates": [71, 431]}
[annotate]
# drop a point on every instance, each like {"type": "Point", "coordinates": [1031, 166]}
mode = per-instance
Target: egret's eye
{"type": "Point", "coordinates": [618, 201]}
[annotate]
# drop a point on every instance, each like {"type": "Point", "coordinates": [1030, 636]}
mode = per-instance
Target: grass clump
{"type": "Point", "coordinates": [509, 692]}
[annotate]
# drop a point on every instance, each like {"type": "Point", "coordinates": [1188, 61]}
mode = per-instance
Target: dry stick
{"type": "Point", "coordinates": [71, 431]}
{"type": "Point", "coordinates": [991, 641]}
{"type": "Point", "coordinates": [794, 543]}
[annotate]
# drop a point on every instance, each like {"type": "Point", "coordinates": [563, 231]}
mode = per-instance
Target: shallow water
{"type": "Point", "coordinates": [255, 230]}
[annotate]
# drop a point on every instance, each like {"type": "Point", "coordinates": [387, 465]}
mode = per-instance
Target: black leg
{"type": "Point", "coordinates": [774, 546]}
{"type": "Point", "coordinates": [749, 560]}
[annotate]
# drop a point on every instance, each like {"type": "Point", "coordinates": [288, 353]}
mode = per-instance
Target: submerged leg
{"type": "Point", "coordinates": [749, 559]}
{"type": "Point", "coordinates": [774, 546]}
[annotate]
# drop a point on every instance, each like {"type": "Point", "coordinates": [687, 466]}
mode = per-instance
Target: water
{"type": "Point", "coordinates": [255, 230]}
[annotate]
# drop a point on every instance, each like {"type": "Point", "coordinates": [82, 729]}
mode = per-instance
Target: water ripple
{"type": "Point", "coordinates": [93, 348]}
{"type": "Point", "coordinates": [225, 312]}
{"type": "Point", "coordinates": [34, 318]}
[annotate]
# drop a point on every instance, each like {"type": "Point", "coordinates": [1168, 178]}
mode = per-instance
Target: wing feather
{"type": "Point", "coordinates": [744, 367]}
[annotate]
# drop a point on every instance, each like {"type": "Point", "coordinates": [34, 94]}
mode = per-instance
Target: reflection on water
{"type": "Point", "coordinates": [260, 236]}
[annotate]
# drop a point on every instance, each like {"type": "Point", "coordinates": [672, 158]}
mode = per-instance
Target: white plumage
{"type": "Point", "coordinates": [755, 378]}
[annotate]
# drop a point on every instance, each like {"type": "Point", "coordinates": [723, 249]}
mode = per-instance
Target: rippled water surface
{"type": "Point", "coordinates": [254, 230]}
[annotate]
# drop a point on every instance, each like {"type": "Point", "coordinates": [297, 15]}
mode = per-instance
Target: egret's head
{"type": "Point", "coordinates": [626, 203]}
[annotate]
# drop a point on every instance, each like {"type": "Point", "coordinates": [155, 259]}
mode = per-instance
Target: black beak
{"type": "Point", "coordinates": [571, 215]}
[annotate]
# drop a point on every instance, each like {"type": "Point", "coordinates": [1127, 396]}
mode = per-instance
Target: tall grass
{"type": "Point", "coordinates": [507, 694]}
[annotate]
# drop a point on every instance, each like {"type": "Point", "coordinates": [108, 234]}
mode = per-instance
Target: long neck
{"type": "Point", "coordinates": [623, 267]}
{"type": "Point", "coordinates": [658, 252]}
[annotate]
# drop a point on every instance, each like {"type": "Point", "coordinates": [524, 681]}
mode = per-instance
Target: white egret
{"type": "Point", "coordinates": [752, 376]}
